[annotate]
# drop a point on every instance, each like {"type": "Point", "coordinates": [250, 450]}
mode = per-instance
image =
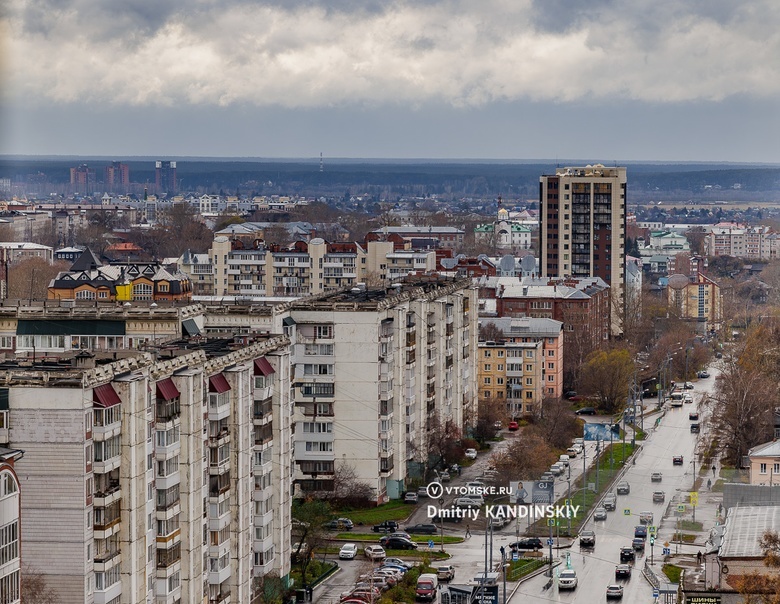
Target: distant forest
{"type": "Point", "coordinates": [391, 179]}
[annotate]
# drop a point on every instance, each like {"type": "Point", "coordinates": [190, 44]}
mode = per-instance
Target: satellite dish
{"type": "Point", "coordinates": [678, 281]}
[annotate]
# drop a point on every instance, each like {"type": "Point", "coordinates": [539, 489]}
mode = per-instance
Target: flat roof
{"type": "Point", "coordinates": [744, 527]}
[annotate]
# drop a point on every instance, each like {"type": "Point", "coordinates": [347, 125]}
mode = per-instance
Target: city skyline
{"type": "Point", "coordinates": [451, 80]}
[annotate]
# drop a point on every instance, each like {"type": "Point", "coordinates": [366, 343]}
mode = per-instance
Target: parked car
{"type": "Point", "coordinates": [638, 544]}
{"type": "Point", "coordinates": [470, 453]}
{"type": "Point", "coordinates": [600, 513]}
{"type": "Point", "coordinates": [388, 526]}
{"type": "Point", "coordinates": [587, 538]}
{"type": "Point", "coordinates": [422, 529]}
{"type": "Point", "coordinates": [468, 503]}
{"type": "Point", "coordinates": [677, 460]}
{"type": "Point", "coordinates": [656, 477]}
{"type": "Point", "coordinates": [401, 534]}
{"type": "Point", "coordinates": [348, 551]}
{"type": "Point", "coordinates": [411, 497]}
{"type": "Point", "coordinates": [567, 579]}
{"type": "Point", "coordinates": [569, 394]}
{"type": "Point", "coordinates": [399, 569]}
{"type": "Point", "coordinates": [585, 411]}
{"type": "Point", "coordinates": [627, 554]}
{"type": "Point", "coordinates": [445, 572]}
{"type": "Point", "coordinates": [299, 551]}
{"type": "Point", "coordinates": [688, 386]}
{"type": "Point", "coordinates": [397, 543]}
{"type": "Point", "coordinates": [498, 425]}
{"type": "Point", "coordinates": [340, 524]}
{"type": "Point", "coordinates": [513, 426]}
{"type": "Point", "coordinates": [623, 488]}
{"type": "Point", "coordinates": [614, 592]}
{"type": "Point", "coordinates": [556, 469]}
{"type": "Point", "coordinates": [422, 491]}
{"type": "Point", "coordinates": [374, 552]}
{"type": "Point", "coordinates": [377, 581]}
{"type": "Point", "coordinates": [398, 562]}
{"type": "Point", "coordinates": [640, 531]}
{"type": "Point", "coordinates": [444, 476]}
{"type": "Point", "coordinates": [623, 571]}
{"type": "Point", "coordinates": [533, 543]}
{"type": "Point", "coordinates": [547, 476]}
{"type": "Point", "coordinates": [427, 587]}
{"type": "Point", "coordinates": [659, 496]}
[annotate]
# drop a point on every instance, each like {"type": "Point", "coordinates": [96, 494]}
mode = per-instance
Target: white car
{"type": "Point", "coordinates": [567, 579]}
{"type": "Point", "coordinates": [348, 551]}
{"type": "Point", "coordinates": [467, 502]}
{"type": "Point", "coordinates": [471, 453]}
{"type": "Point", "coordinates": [374, 552]}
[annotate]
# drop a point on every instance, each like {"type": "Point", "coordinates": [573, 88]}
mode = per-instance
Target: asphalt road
{"type": "Point", "coordinates": [595, 568]}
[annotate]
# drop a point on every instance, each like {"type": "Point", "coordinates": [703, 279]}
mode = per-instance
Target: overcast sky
{"type": "Point", "coordinates": [667, 80]}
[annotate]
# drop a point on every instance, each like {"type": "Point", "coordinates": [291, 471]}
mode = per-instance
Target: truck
{"type": "Point", "coordinates": [427, 587]}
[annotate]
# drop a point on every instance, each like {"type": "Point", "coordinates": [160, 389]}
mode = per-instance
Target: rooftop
{"type": "Point", "coordinates": [744, 528]}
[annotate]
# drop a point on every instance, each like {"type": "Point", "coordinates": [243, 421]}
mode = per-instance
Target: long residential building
{"type": "Point", "coordinates": [154, 478]}
{"type": "Point", "coordinates": [377, 372]}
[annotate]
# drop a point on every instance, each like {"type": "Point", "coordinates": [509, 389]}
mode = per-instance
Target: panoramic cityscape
{"type": "Point", "coordinates": [374, 303]}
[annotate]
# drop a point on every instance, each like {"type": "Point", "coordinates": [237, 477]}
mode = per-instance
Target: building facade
{"type": "Point", "coordinates": [512, 372]}
{"type": "Point", "coordinates": [165, 180]}
{"type": "Point", "coordinates": [699, 300]}
{"type": "Point", "coordinates": [156, 480]}
{"type": "Point", "coordinates": [376, 372]}
{"type": "Point", "coordinates": [582, 213]}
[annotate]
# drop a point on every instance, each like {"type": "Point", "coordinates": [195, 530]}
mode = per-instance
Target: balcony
{"type": "Point", "coordinates": [219, 576]}
{"type": "Point", "coordinates": [222, 438]}
{"type": "Point", "coordinates": [105, 560]}
{"type": "Point", "coordinates": [222, 598]}
{"type": "Point", "coordinates": [262, 411]}
{"type": "Point", "coordinates": [106, 497]}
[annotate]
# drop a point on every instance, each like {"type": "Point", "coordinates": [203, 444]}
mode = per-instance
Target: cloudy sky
{"type": "Point", "coordinates": [668, 80]}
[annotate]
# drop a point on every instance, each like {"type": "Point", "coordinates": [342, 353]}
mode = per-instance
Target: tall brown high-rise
{"type": "Point", "coordinates": [117, 177]}
{"type": "Point", "coordinates": [582, 216]}
{"type": "Point", "coordinates": [165, 177]}
{"type": "Point", "coordinates": [82, 179]}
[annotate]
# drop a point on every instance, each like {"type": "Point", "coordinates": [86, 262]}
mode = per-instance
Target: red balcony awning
{"type": "Point", "coordinates": [167, 390]}
{"type": "Point", "coordinates": [263, 367]}
{"type": "Point", "coordinates": [105, 396]}
{"type": "Point", "coordinates": [218, 383]}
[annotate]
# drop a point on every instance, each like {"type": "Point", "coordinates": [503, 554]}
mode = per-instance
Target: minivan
{"type": "Point", "coordinates": [427, 586]}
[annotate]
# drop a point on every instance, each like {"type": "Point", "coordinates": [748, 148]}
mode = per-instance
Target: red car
{"type": "Point", "coordinates": [513, 426]}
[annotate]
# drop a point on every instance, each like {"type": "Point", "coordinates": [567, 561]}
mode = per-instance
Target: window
{"type": "Point", "coordinates": [142, 291]}
{"type": "Point", "coordinates": [487, 354]}
{"type": "Point", "coordinates": [319, 447]}
{"type": "Point", "coordinates": [486, 381]}
{"type": "Point", "coordinates": [317, 427]}
{"type": "Point", "coordinates": [762, 468]}
{"type": "Point", "coordinates": [9, 542]}
{"type": "Point", "coordinates": [487, 366]}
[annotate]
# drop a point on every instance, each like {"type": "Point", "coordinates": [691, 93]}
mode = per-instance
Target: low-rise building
{"type": "Point", "coordinates": [765, 464]}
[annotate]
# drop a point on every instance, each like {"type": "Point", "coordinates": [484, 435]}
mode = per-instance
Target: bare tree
{"type": "Point", "coordinates": [269, 589]}
{"type": "Point", "coordinates": [308, 516]}
{"type": "Point", "coordinates": [743, 403]}
{"type": "Point", "coordinates": [30, 278]}
{"type": "Point", "coordinates": [34, 588]}
{"type": "Point", "coordinates": [607, 374]}
{"type": "Point", "coordinates": [525, 458]}
{"type": "Point", "coordinates": [444, 444]}
{"type": "Point", "coordinates": [763, 587]}
{"type": "Point", "coordinates": [555, 423]}
{"type": "Point", "coordinates": [490, 332]}
{"type": "Point", "coordinates": [348, 490]}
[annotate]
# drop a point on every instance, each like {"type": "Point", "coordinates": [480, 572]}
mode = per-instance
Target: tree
{"type": "Point", "coordinates": [744, 401]}
{"type": "Point", "coordinates": [555, 423]}
{"type": "Point", "coordinates": [607, 374]}
{"type": "Point", "coordinates": [490, 411]}
{"type": "Point", "coordinates": [308, 517]}
{"type": "Point", "coordinates": [444, 445]}
{"type": "Point", "coordinates": [763, 588]}
{"type": "Point", "coordinates": [696, 236]}
{"type": "Point", "coordinates": [525, 458]}
{"type": "Point", "coordinates": [269, 589]}
{"type": "Point", "coordinates": [490, 332]}
{"type": "Point", "coordinates": [34, 588]}
{"type": "Point", "coordinates": [30, 278]}
{"type": "Point", "coordinates": [348, 490]}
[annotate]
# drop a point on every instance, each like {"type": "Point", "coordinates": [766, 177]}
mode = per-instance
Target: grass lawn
{"type": "Point", "coordinates": [394, 510]}
{"type": "Point", "coordinates": [672, 571]}
{"type": "Point", "coordinates": [521, 568]}
{"type": "Point", "coordinates": [688, 525]}
{"type": "Point", "coordinates": [718, 486]}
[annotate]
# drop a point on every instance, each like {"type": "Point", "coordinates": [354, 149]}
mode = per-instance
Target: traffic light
{"type": "Point", "coordinates": [652, 540]}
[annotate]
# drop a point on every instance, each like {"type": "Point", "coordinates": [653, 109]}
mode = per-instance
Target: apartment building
{"type": "Point", "coordinates": [512, 372]}
{"type": "Point", "coordinates": [547, 331]}
{"type": "Point", "coordinates": [740, 241]}
{"type": "Point", "coordinates": [154, 477]}
{"type": "Point", "coordinates": [305, 268]}
{"type": "Point", "coordinates": [582, 213]}
{"type": "Point", "coordinates": [375, 371]}
{"type": "Point", "coordinates": [10, 535]}
{"type": "Point", "coordinates": [697, 300]}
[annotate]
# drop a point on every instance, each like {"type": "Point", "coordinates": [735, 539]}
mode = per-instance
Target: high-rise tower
{"type": "Point", "coordinates": [582, 215]}
{"type": "Point", "coordinates": [165, 177]}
